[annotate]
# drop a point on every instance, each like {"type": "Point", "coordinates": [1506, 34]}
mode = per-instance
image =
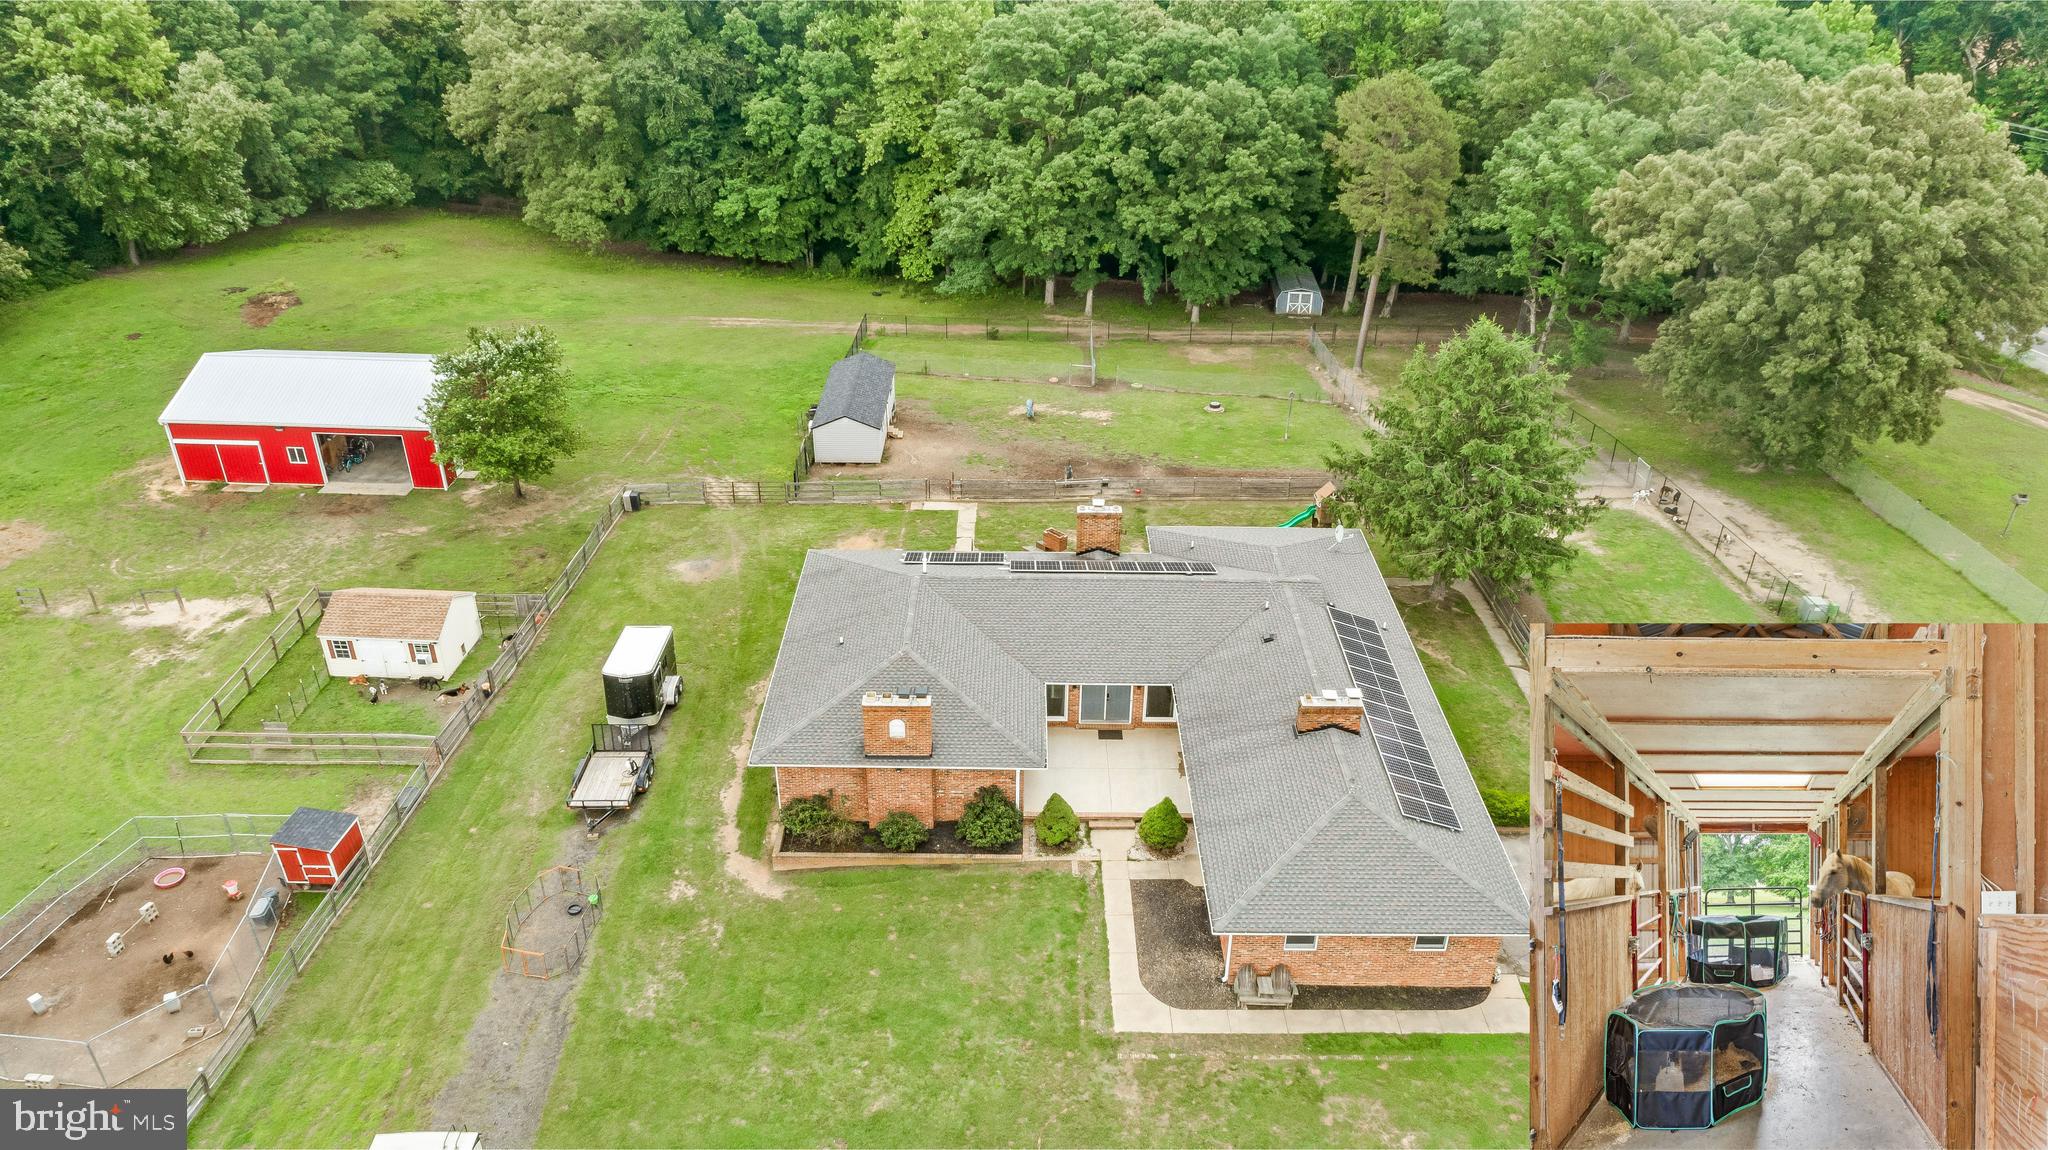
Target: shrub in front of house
{"type": "Point", "coordinates": [815, 822]}
{"type": "Point", "coordinates": [990, 821]}
{"type": "Point", "coordinates": [1056, 825]}
{"type": "Point", "coordinates": [901, 831]}
{"type": "Point", "coordinates": [1162, 829]}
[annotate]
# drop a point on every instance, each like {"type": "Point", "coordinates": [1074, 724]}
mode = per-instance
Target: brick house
{"type": "Point", "coordinates": [1260, 677]}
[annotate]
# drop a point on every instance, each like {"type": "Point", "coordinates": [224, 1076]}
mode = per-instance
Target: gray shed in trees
{"type": "Point", "coordinates": [851, 424]}
{"type": "Point", "coordinates": [1295, 292]}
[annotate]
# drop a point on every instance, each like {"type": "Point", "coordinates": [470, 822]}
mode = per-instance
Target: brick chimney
{"type": "Point", "coordinates": [896, 726]}
{"type": "Point", "coordinates": [1099, 526]}
{"type": "Point", "coordinates": [1345, 712]}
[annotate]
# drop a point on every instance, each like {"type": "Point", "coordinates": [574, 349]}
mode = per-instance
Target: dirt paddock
{"type": "Point", "coordinates": [89, 992]}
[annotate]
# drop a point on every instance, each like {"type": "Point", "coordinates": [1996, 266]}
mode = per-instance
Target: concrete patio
{"type": "Point", "coordinates": [1100, 777]}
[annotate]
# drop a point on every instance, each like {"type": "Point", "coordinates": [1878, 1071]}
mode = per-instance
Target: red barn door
{"type": "Point", "coordinates": [243, 463]}
{"type": "Point", "coordinates": [200, 462]}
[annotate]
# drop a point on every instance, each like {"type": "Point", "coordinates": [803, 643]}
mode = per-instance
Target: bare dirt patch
{"type": "Point", "coordinates": [1046, 409]}
{"type": "Point", "coordinates": [90, 992]}
{"type": "Point", "coordinates": [159, 479]}
{"type": "Point", "coordinates": [704, 570]}
{"type": "Point", "coordinates": [196, 617]}
{"type": "Point", "coordinates": [871, 540]}
{"type": "Point", "coordinates": [1205, 353]}
{"type": "Point", "coordinates": [263, 308]}
{"type": "Point", "coordinates": [19, 538]}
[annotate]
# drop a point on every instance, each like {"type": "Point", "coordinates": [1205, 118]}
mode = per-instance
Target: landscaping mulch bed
{"type": "Point", "coordinates": [1178, 961]}
{"type": "Point", "coordinates": [944, 840]}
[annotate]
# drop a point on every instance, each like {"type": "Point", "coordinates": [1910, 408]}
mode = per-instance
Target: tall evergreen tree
{"type": "Point", "coordinates": [1466, 469]}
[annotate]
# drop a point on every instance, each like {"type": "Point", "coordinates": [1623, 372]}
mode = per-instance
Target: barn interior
{"type": "Point", "coordinates": [364, 462]}
{"type": "Point", "coordinates": [1911, 747]}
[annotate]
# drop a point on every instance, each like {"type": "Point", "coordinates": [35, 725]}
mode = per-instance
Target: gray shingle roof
{"type": "Point", "coordinates": [858, 388]}
{"type": "Point", "coordinates": [313, 828]}
{"type": "Point", "coordinates": [1298, 834]}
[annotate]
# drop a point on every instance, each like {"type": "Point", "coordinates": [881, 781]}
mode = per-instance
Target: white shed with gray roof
{"type": "Point", "coordinates": [851, 423]}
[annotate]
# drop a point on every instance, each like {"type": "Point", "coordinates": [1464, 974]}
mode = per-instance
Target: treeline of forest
{"type": "Point", "coordinates": [1194, 146]}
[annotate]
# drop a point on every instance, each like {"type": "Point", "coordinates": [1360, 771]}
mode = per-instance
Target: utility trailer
{"type": "Point", "coordinates": [618, 769]}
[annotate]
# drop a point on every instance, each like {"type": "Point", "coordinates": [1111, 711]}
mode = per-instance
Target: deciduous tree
{"type": "Point", "coordinates": [1466, 469]}
{"type": "Point", "coordinates": [1395, 151]}
{"type": "Point", "coordinates": [1833, 259]}
{"type": "Point", "coordinates": [500, 406]}
{"type": "Point", "coordinates": [1544, 177]}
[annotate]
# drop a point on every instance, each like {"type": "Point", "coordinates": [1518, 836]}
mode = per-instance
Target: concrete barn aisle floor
{"type": "Point", "coordinates": [1826, 1090]}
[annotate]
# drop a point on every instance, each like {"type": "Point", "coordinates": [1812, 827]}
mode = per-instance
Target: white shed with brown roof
{"type": "Point", "coordinates": [389, 633]}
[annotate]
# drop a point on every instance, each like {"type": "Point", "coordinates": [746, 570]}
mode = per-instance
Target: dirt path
{"type": "Point", "coordinates": [515, 1042]}
{"type": "Point", "coordinates": [755, 874]}
{"type": "Point", "coordinates": [2003, 406]}
{"type": "Point", "coordinates": [1773, 541]}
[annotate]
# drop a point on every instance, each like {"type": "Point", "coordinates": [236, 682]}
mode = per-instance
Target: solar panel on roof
{"type": "Point", "coordinates": [1418, 789]}
{"type": "Point", "coordinates": [957, 558]}
{"type": "Point", "coordinates": [1107, 566]}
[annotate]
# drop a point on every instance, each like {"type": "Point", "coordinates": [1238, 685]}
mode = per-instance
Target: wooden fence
{"type": "Point", "coordinates": [717, 492]}
{"type": "Point", "coordinates": [207, 738]}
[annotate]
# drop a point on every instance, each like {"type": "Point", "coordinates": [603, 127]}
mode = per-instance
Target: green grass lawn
{"type": "Point", "coordinates": [815, 1017]}
{"type": "Point", "coordinates": [1487, 710]}
{"type": "Point", "coordinates": [1122, 427]}
{"type": "Point", "coordinates": [1631, 569]}
{"type": "Point", "coordinates": [337, 706]}
{"type": "Point", "coordinates": [1967, 474]}
{"type": "Point", "coordinates": [1901, 576]}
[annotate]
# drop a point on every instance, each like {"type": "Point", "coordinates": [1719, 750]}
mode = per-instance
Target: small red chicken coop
{"type": "Point", "coordinates": [315, 847]}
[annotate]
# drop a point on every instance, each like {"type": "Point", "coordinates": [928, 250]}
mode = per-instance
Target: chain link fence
{"type": "Point", "coordinates": [192, 1010]}
{"type": "Point", "coordinates": [1969, 558]}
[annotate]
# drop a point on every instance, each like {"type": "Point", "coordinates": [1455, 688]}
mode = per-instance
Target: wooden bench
{"type": "Point", "coordinates": [1275, 989]}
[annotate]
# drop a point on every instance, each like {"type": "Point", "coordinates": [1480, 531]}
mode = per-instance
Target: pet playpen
{"type": "Point", "coordinates": [1683, 1056]}
{"type": "Point", "coordinates": [1745, 949]}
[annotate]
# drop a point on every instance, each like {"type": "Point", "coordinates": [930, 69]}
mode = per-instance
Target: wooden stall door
{"type": "Point", "coordinates": [2012, 984]}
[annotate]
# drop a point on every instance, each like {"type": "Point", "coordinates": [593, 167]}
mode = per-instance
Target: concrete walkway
{"type": "Point", "coordinates": [1134, 1010]}
{"type": "Point", "coordinates": [963, 531]}
{"type": "Point", "coordinates": [1826, 1090]}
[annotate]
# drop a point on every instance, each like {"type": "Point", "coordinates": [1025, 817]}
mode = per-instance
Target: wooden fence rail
{"type": "Point", "coordinates": [723, 492]}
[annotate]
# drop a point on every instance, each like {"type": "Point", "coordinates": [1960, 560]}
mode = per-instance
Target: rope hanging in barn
{"type": "Point", "coordinates": [1933, 951]}
{"type": "Point", "coordinates": [1557, 990]}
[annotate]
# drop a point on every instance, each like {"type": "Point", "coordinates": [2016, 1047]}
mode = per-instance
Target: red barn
{"type": "Point", "coordinates": [315, 847]}
{"type": "Point", "coordinates": [348, 422]}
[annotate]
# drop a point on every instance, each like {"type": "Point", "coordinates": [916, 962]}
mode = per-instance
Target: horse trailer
{"type": "Point", "coordinates": [640, 680]}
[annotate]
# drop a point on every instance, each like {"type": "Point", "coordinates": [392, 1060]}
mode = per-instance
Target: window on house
{"type": "Point", "coordinates": [1106, 704]}
{"type": "Point", "coordinates": [1159, 702]}
{"type": "Point", "coordinates": [341, 648]}
{"type": "Point", "coordinates": [896, 728]}
{"type": "Point", "coordinates": [1055, 700]}
{"type": "Point", "coordinates": [295, 454]}
{"type": "Point", "coordinates": [1298, 942]}
{"type": "Point", "coordinates": [423, 653]}
{"type": "Point", "coordinates": [1432, 942]}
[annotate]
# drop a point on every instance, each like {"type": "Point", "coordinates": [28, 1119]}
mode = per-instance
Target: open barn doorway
{"type": "Point", "coordinates": [1822, 748]}
{"type": "Point", "coordinates": [364, 464]}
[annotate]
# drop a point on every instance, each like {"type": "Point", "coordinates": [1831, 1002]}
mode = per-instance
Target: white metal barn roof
{"type": "Point", "coordinates": [638, 650]}
{"type": "Point", "coordinates": [341, 389]}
